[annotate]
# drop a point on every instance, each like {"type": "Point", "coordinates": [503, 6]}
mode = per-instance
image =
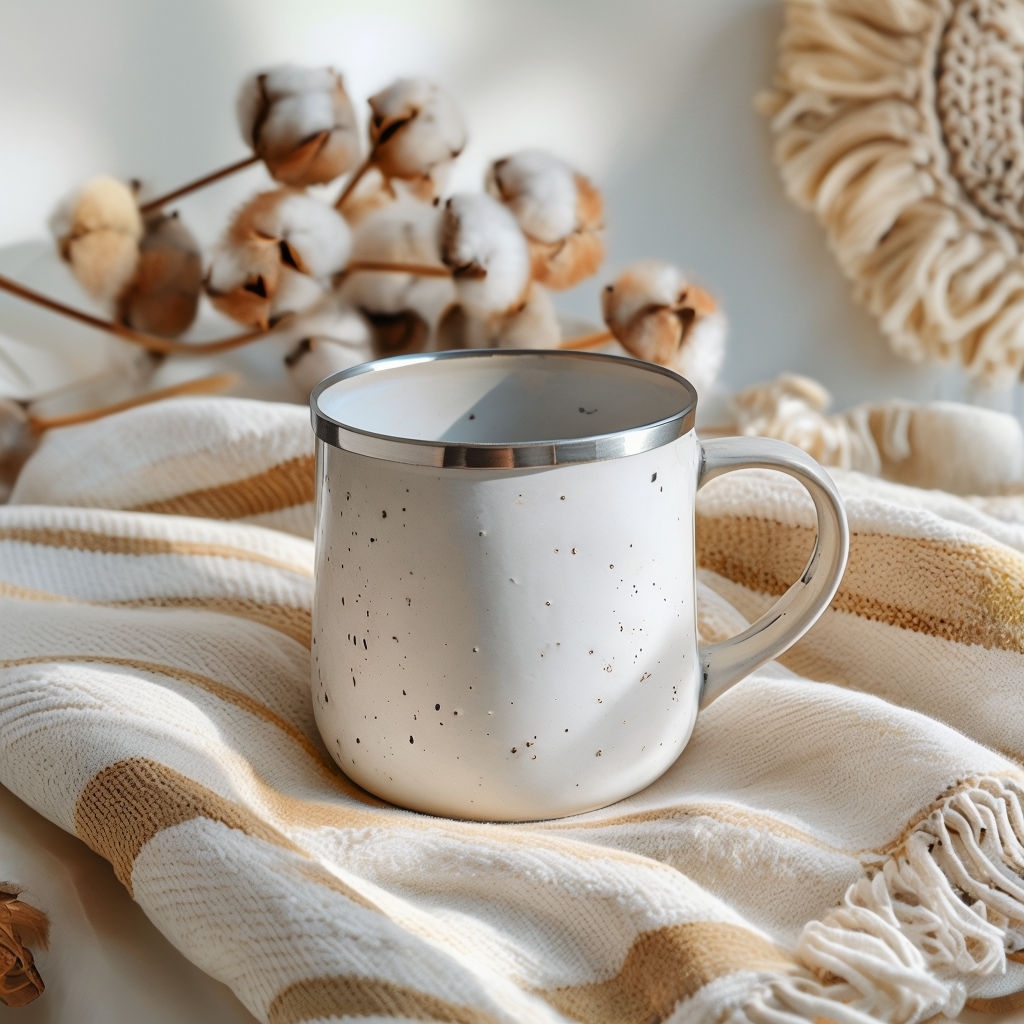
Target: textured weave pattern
{"type": "Point", "coordinates": [899, 123]}
{"type": "Point", "coordinates": [841, 840]}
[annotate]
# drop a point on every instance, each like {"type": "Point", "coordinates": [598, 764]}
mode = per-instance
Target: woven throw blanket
{"type": "Point", "coordinates": [842, 840]}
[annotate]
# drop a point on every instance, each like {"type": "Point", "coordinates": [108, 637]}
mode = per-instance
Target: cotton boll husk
{"type": "Point", "coordinates": [415, 128]}
{"type": "Point", "coordinates": [98, 232]}
{"type": "Point", "coordinates": [485, 248]}
{"type": "Point", "coordinates": [559, 210]}
{"type": "Point", "coordinates": [532, 324]}
{"type": "Point", "coordinates": [17, 442]}
{"type": "Point", "coordinates": [656, 314]}
{"type": "Point", "coordinates": [403, 232]}
{"type": "Point", "coordinates": [300, 122]}
{"type": "Point", "coordinates": [163, 295]}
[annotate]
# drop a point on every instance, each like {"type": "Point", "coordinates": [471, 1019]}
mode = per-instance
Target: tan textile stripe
{"type": "Point", "coordinates": [721, 813]}
{"type": "Point", "coordinates": [126, 804]}
{"type": "Point", "coordinates": [291, 621]}
{"type": "Point", "coordinates": [349, 995]}
{"type": "Point", "coordinates": [219, 690]}
{"type": "Point", "coordinates": [664, 967]}
{"type": "Point", "coordinates": [111, 544]}
{"type": "Point", "coordinates": [282, 486]}
{"type": "Point", "coordinates": [768, 556]}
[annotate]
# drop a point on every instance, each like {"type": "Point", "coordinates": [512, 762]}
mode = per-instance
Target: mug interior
{"type": "Point", "coordinates": [495, 397]}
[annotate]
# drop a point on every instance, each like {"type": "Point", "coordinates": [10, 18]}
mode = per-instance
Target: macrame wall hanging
{"type": "Point", "coordinates": [900, 123]}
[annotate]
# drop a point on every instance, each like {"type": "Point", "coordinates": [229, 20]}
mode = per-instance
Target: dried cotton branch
{"type": "Point", "coordinates": [300, 122]}
{"type": "Point", "coordinates": [98, 231]}
{"type": "Point", "coordinates": [559, 210]}
{"type": "Point", "coordinates": [657, 314]}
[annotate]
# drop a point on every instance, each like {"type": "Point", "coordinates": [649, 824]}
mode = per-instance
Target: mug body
{"type": "Point", "coordinates": [504, 612]}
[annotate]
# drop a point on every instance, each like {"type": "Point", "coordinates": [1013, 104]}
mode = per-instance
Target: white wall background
{"type": "Point", "coordinates": [652, 98]}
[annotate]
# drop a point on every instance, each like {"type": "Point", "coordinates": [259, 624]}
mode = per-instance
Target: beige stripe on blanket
{"type": "Point", "coordinates": [843, 839]}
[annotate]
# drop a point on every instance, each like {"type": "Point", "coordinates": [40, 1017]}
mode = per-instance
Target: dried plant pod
{"type": "Point", "coordinates": [560, 211]}
{"type": "Point", "coordinates": [163, 294]}
{"type": "Point", "coordinates": [300, 122]}
{"type": "Point", "coordinates": [98, 231]}
{"type": "Point", "coordinates": [533, 323]}
{"type": "Point", "coordinates": [21, 926]}
{"type": "Point", "coordinates": [483, 245]}
{"type": "Point", "coordinates": [416, 129]}
{"type": "Point", "coordinates": [657, 314]}
{"type": "Point", "coordinates": [403, 308]}
{"type": "Point", "coordinates": [276, 257]}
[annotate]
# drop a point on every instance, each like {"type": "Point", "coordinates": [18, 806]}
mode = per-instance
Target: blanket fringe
{"type": "Point", "coordinates": [918, 935]}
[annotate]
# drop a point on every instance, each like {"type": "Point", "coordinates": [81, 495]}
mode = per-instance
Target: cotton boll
{"type": "Point", "coordinates": [278, 252]}
{"type": "Point", "coordinates": [415, 129]}
{"type": "Point", "coordinates": [531, 324]}
{"type": "Point", "coordinates": [656, 314]}
{"type": "Point", "coordinates": [559, 210]}
{"type": "Point", "coordinates": [163, 295]}
{"type": "Point", "coordinates": [483, 245]}
{"type": "Point", "coordinates": [98, 232]}
{"type": "Point", "coordinates": [242, 280]}
{"type": "Point", "coordinates": [404, 307]}
{"type": "Point", "coordinates": [328, 338]}
{"type": "Point", "coordinates": [300, 122]}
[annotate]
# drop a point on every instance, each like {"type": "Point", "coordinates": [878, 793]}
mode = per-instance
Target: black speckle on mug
{"type": "Point", "coordinates": [437, 707]}
{"type": "Point", "coordinates": [598, 753]}
{"type": "Point", "coordinates": [358, 740]}
{"type": "Point", "coordinates": [411, 740]}
{"type": "Point", "coordinates": [515, 750]}
{"type": "Point", "coordinates": [654, 476]}
{"type": "Point", "coordinates": [383, 513]}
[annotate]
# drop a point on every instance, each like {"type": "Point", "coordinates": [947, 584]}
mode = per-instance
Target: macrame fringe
{"type": "Point", "coordinates": [919, 935]}
{"type": "Point", "coordinates": [858, 139]}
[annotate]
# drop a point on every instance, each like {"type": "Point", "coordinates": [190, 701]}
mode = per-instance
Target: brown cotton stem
{"type": "Point", "coordinates": [150, 342]}
{"type": "Point", "coordinates": [397, 267]}
{"type": "Point", "coordinates": [194, 186]}
{"type": "Point", "coordinates": [212, 385]}
{"type": "Point", "coordinates": [355, 179]}
{"type": "Point", "coordinates": [585, 341]}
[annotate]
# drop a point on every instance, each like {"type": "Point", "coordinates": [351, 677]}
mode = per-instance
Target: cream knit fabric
{"type": "Point", "coordinates": [843, 839]}
{"type": "Point", "coordinates": [899, 124]}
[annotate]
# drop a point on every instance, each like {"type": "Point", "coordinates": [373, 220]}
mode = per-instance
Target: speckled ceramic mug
{"type": "Point", "coordinates": [504, 617]}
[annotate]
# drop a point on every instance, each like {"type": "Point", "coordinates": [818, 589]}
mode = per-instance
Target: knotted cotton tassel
{"type": "Point", "coordinates": [21, 926]}
{"type": "Point", "coordinates": [276, 257]}
{"type": "Point", "coordinates": [939, 445]}
{"type": "Point", "coordinates": [327, 338]}
{"type": "Point", "coordinates": [416, 129]}
{"type": "Point", "coordinates": [163, 294]}
{"type": "Point", "coordinates": [98, 231]}
{"type": "Point", "coordinates": [559, 210]}
{"type": "Point", "coordinates": [300, 122]}
{"type": "Point", "coordinates": [402, 307]}
{"type": "Point", "coordinates": [657, 314]}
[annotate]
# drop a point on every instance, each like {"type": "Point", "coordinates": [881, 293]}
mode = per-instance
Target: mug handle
{"type": "Point", "coordinates": [728, 661]}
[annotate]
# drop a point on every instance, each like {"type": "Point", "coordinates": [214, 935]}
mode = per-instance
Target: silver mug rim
{"type": "Point", "coordinates": [497, 455]}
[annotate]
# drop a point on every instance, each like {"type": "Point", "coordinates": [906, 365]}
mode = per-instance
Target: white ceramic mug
{"type": "Point", "coordinates": [504, 617]}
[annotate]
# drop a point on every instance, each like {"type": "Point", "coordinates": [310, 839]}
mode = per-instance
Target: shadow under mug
{"type": "Point", "coordinates": [504, 619]}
